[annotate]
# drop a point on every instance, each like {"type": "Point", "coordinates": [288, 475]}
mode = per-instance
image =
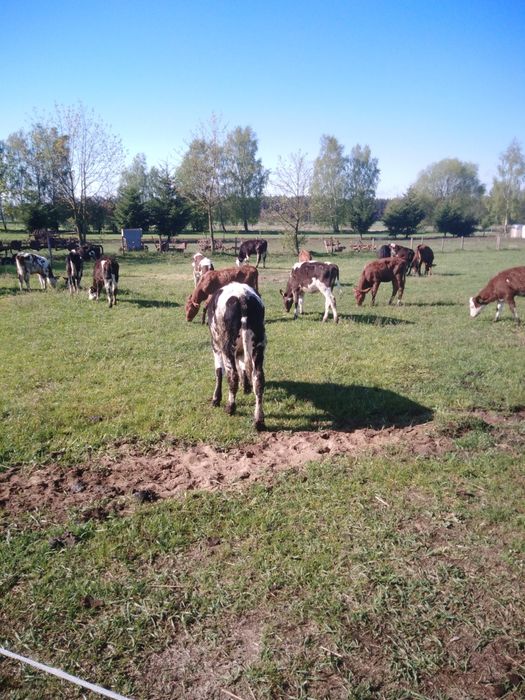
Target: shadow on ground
{"type": "Point", "coordinates": [346, 408]}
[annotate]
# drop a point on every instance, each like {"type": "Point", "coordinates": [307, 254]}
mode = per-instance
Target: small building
{"type": "Point", "coordinates": [132, 239]}
{"type": "Point", "coordinates": [517, 231]}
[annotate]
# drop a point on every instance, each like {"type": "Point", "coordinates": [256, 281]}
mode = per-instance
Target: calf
{"type": "Point", "coordinates": [213, 280]}
{"type": "Point", "coordinates": [384, 270]}
{"type": "Point", "coordinates": [305, 256]}
{"type": "Point", "coordinates": [253, 247]}
{"type": "Point", "coordinates": [74, 270]}
{"type": "Point", "coordinates": [105, 274]}
{"type": "Point", "coordinates": [400, 251]}
{"type": "Point", "coordinates": [28, 264]}
{"type": "Point", "coordinates": [311, 277]}
{"type": "Point", "coordinates": [238, 339]}
{"type": "Point", "coordinates": [424, 256]}
{"type": "Point", "coordinates": [200, 265]}
{"type": "Point", "coordinates": [502, 288]}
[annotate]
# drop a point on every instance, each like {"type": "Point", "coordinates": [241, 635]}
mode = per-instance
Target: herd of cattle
{"type": "Point", "coordinates": [231, 300]}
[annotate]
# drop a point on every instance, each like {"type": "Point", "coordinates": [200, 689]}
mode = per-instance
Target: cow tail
{"type": "Point", "coordinates": [337, 284]}
{"type": "Point", "coordinates": [247, 347]}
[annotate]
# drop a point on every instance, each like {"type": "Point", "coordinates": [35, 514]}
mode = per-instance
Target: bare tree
{"type": "Point", "coordinates": [87, 159]}
{"type": "Point", "coordinates": [199, 175]}
{"type": "Point", "coordinates": [291, 183]}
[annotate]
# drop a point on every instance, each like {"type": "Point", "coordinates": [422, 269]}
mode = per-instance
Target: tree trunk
{"type": "Point", "coordinates": [210, 229]}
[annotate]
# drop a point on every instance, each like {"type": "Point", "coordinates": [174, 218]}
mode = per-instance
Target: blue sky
{"type": "Point", "coordinates": [417, 81]}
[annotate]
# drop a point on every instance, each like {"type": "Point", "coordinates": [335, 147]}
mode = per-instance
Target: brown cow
{"type": "Point", "coordinates": [502, 288]}
{"type": "Point", "coordinates": [384, 270]}
{"type": "Point", "coordinates": [424, 256]}
{"type": "Point", "coordinates": [213, 280]}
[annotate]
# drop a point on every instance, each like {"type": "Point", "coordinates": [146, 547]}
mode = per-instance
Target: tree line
{"type": "Point", "coordinates": [68, 169]}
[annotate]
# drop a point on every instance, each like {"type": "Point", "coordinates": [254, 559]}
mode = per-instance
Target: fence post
{"type": "Point", "coordinates": [462, 242]}
{"type": "Point", "coordinates": [498, 242]}
{"type": "Point", "coordinates": [443, 244]}
{"type": "Point", "coordinates": [412, 242]}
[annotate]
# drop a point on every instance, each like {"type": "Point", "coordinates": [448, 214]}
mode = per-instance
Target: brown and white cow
{"type": "Point", "coordinates": [238, 339]}
{"type": "Point", "coordinates": [258, 247]}
{"type": "Point", "coordinates": [384, 270]}
{"type": "Point", "coordinates": [305, 256]}
{"type": "Point", "coordinates": [105, 274]}
{"type": "Point", "coordinates": [200, 265]}
{"type": "Point", "coordinates": [400, 251]}
{"type": "Point", "coordinates": [213, 280]}
{"type": "Point", "coordinates": [502, 288]}
{"type": "Point", "coordinates": [28, 264]}
{"type": "Point", "coordinates": [311, 277]}
{"type": "Point", "coordinates": [74, 270]}
{"type": "Point", "coordinates": [424, 256]}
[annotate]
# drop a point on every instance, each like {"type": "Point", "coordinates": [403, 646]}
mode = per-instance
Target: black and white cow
{"type": "Point", "coordinates": [74, 270]}
{"type": "Point", "coordinates": [105, 274]}
{"type": "Point", "coordinates": [253, 247]}
{"type": "Point", "coordinates": [28, 264]}
{"type": "Point", "coordinates": [311, 277]}
{"type": "Point", "coordinates": [238, 340]}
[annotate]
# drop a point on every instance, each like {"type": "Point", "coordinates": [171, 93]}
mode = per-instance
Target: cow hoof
{"type": "Point", "coordinates": [259, 425]}
{"type": "Point", "coordinates": [215, 402]}
{"type": "Point", "coordinates": [230, 409]}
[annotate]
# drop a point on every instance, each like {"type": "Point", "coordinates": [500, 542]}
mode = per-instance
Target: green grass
{"type": "Point", "coordinates": [375, 575]}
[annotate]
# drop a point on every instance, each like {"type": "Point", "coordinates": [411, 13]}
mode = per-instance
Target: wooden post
{"type": "Point", "coordinates": [498, 242]}
{"type": "Point", "coordinates": [462, 242]}
{"type": "Point", "coordinates": [443, 244]}
{"type": "Point", "coordinates": [412, 242]}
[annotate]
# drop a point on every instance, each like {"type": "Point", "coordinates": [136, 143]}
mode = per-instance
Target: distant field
{"type": "Point", "coordinates": [394, 570]}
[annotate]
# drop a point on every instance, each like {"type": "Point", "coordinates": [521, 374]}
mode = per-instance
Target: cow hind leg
{"type": "Point", "coordinates": [499, 309]}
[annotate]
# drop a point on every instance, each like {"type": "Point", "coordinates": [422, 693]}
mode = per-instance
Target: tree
{"type": "Point", "coordinates": [289, 205]}
{"type": "Point", "coordinates": [244, 177]}
{"type": "Point", "coordinates": [330, 184]}
{"type": "Point", "coordinates": [168, 211]}
{"type": "Point", "coordinates": [137, 176]}
{"type": "Point", "coordinates": [130, 211]}
{"type": "Point", "coordinates": [453, 181]}
{"type": "Point", "coordinates": [402, 216]}
{"type": "Point", "coordinates": [86, 157]}
{"type": "Point", "coordinates": [363, 178]}
{"type": "Point", "coordinates": [451, 218]}
{"type": "Point", "coordinates": [506, 197]}
{"type": "Point", "coordinates": [199, 174]}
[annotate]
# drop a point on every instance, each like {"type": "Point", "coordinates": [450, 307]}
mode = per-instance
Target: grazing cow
{"type": "Point", "coordinates": [28, 264]}
{"type": "Point", "coordinates": [253, 247]}
{"type": "Point", "coordinates": [238, 339]}
{"type": "Point", "coordinates": [384, 270]}
{"type": "Point", "coordinates": [424, 256]}
{"type": "Point", "coordinates": [502, 288]}
{"type": "Point", "coordinates": [213, 280]}
{"type": "Point", "coordinates": [384, 251]}
{"type": "Point", "coordinates": [311, 277]}
{"type": "Point", "coordinates": [305, 256]}
{"type": "Point", "coordinates": [105, 274]}
{"type": "Point", "coordinates": [200, 265]}
{"type": "Point", "coordinates": [400, 251]}
{"type": "Point", "coordinates": [74, 270]}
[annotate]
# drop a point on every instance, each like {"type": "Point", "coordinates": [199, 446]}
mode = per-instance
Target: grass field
{"type": "Point", "coordinates": [393, 572]}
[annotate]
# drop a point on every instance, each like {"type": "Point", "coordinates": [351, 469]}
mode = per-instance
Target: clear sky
{"type": "Point", "coordinates": [416, 80]}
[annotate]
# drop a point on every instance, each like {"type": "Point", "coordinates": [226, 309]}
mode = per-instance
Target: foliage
{"type": "Point", "coordinates": [450, 218]}
{"type": "Point", "coordinates": [130, 211]}
{"type": "Point", "coordinates": [168, 211]}
{"type": "Point", "coordinates": [363, 178]}
{"type": "Point", "coordinates": [38, 215]}
{"type": "Point", "coordinates": [402, 216]}
{"type": "Point", "coordinates": [243, 177]}
{"type": "Point", "coordinates": [507, 196]}
{"type": "Point", "coordinates": [329, 189]}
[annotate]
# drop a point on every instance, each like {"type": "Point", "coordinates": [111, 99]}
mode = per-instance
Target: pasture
{"type": "Point", "coordinates": [368, 544]}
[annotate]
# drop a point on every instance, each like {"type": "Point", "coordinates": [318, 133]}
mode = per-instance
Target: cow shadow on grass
{"type": "Point", "coordinates": [150, 303]}
{"type": "Point", "coordinates": [344, 408]}
{"type": "Point", "coordinates": [372, 320]}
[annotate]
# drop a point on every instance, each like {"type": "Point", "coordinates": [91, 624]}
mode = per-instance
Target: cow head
{"type": "Point", "coordinates": [287, 299]}
{"type": "Point", "coordinates": [476, 306]}
{"type": "Point", "coordinates": [191, 309]}
{"type": "Point", "coordinates": [359, 295]}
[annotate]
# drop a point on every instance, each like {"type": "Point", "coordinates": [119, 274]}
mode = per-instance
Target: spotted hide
{"type": "Point", "coordinates": [28, 264]}
{"type": "Point", "coordinates": [311, 277]}
{"type": "Point", "coordinates": [238, 339]}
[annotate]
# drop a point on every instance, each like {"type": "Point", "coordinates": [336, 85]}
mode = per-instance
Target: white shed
{"type": "Point", "coordinates": [517, 231]}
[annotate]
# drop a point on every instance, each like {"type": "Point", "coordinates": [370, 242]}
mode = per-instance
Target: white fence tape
{"type": "Point", "coordinates": [62, 674]}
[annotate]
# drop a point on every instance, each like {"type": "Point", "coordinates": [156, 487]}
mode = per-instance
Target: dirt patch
{"type": "Point", "coordinates": [121, 481]}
